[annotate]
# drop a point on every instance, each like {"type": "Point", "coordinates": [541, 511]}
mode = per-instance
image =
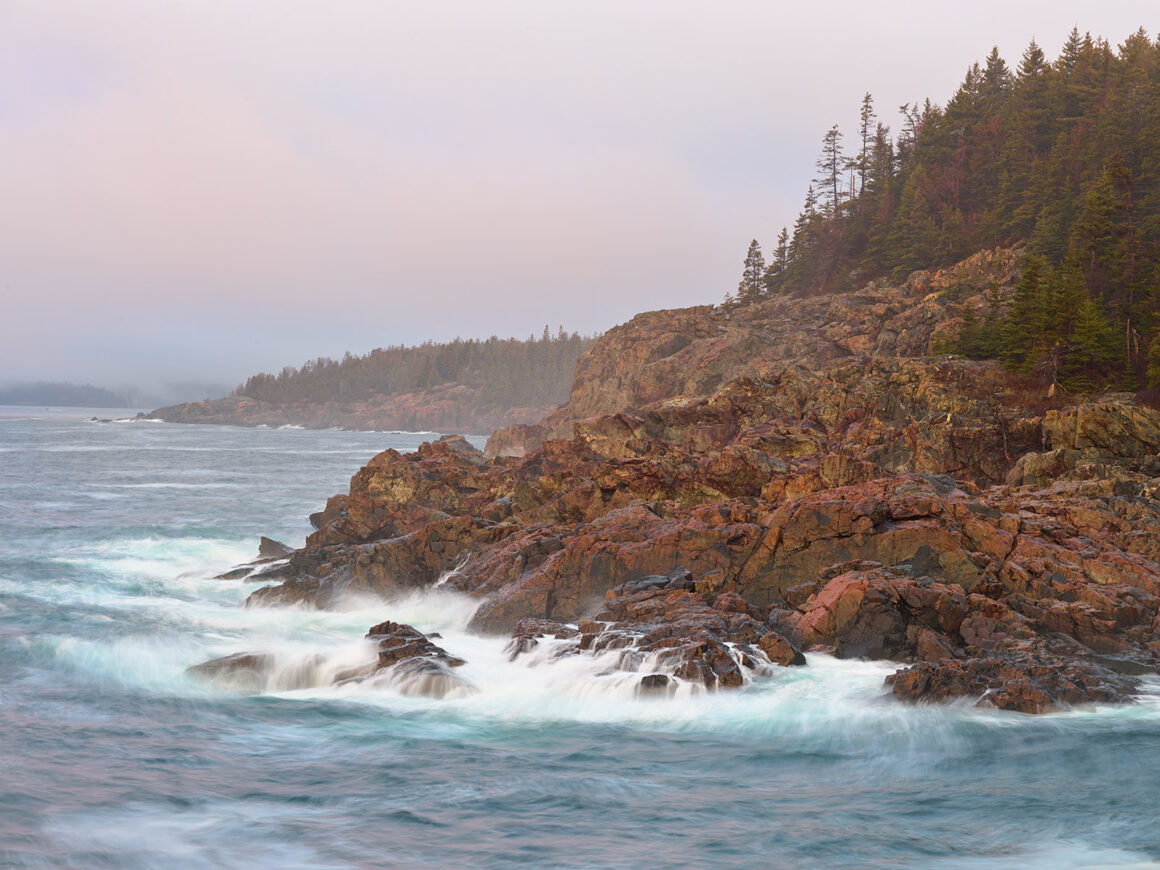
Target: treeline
{"type": "Point", "coordinates": [1062, 157]}
{"type": "Point", "coordinates": [508, 371]}
{"type": "Point", "coordinates": [61, 394]}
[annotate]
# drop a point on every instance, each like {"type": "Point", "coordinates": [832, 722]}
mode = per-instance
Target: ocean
{"type": "Point", "coordinates": [112, 756]}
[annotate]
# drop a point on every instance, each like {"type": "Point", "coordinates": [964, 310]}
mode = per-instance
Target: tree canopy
{"type": "Point", "coordinates": [508, 371]}
{"type": "Point", "coordinates": [1062, 157]}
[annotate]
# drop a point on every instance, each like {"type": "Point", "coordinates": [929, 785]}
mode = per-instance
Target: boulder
{"type": "Point", "coordinates": [268, 548]}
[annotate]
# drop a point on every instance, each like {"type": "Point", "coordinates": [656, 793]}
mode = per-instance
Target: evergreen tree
{"type": "Point", "coordinates": [1094, 349]}
{"type": "Point", "coordinates": [830, 165]}
{"type": "Point", "coordinates": [775, 271]}
{"type": "Point", "coordinates": [1060, 156]}
{"type": "Point", "coordinates": [867, 124]}
{"type": "Point", "coordinates": [1025, 330]}
{"type": "Point", "coordinates": [1153, 373]}
{"type": "Point", "coordinates": [996, 79]}
{"type": "Point", "coordinates": [752, 286]}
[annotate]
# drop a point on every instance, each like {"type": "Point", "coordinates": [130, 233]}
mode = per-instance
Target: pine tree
{"type": "Point", "coordinates": [867, 122]}
{"type": "Point", "coordinates": [752, 286]}
{"type": "Point", "coordinates": [775, 272]}
{"type": "Point", "coordinates": [1093, 244]}
{"type": "Point", "coordinates": [1025, 327]}
{"type": "Point", "coordinates": [1154, 361]}
{"type": "Point", "coordinates": [1059, 156]}
{"type": "Point", "coordinates": [996, 79]}
{"type": "Point", "coordinates": [1094, 350]}
{"type": "Point", "coordinates": [830, 165]}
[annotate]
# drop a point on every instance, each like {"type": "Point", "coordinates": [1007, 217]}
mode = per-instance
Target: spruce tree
{"type": "Point", "coordinates": [1024, 330]}
{"type": "Point", "coordinates": [775, 272]}
{"type": "Point", "coordinates": [867, 122]}
{"type": "Point", "coordinates": [752, 286]}
{"type": "Point", "coordinates": [1153, 373]}
{"type": "Point", "coordinates": [1059, 156]}
{"type": "Point", "coordinates": [830, 165]}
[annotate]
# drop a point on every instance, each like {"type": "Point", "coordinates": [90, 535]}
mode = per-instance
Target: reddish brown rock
{"type": "Point", "coordinates": [822, 483]}
{"type": "Point", "coordinates": [397, 642]}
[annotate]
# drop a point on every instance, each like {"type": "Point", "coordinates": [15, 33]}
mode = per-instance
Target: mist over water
{"type": "Point", "coordinates": [113, 756]}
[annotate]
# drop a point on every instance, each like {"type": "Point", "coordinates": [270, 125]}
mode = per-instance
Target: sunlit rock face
{"type": "Point", "coordinates": [817, 480]}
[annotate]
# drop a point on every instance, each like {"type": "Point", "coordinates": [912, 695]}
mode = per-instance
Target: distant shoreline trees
{"type": "Point", "coordinates": [507, 371]}
{"type": "Point", "coordinates": [63, 394]}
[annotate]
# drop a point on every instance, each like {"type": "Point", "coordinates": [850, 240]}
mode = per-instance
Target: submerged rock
{"type": "Point", "coordinates": [412, 664]}
{"type": "Point", "coordinates": [403, 657]}
{"type": "Point", "coordinates": [656, 685]}
{"type": "Point", "coordinates": [238, 672]}
{"type": "Point", "coordinates": [397, 642]}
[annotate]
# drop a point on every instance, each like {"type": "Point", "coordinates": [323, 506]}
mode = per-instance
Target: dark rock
{"type": "Point", "coordinates": [780, 651]}
{"type": "Point", "coordinates": [239, 672]}
{"type": "Point", "coordinates": [656, 684]}
{"type": "Point", "coordinates": [398, 642]}
{"type": "Point", "coordinates": [527, 634]}
{"type": "Point", "coordinates": [271, 549]}
{"type": "Point", "coordinates": [460, 446]}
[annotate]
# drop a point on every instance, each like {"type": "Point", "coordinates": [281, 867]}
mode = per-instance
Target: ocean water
{"type": "Point", "coordinates": [112, 756]}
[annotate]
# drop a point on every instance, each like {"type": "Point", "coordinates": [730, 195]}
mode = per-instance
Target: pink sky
{"type": "Point", "coordinates": [198, 191]}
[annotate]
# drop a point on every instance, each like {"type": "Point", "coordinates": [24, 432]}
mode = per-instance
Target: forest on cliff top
{"type": "Point", "coordinates": [1061, 157]}
{"type": "Point", "coordinates": [507, 371]}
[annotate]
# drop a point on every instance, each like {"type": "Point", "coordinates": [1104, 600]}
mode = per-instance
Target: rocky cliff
{"type": "Point", "coordinates": [728, 488]}
{"type": "Point", "coordinates": [691, 352]}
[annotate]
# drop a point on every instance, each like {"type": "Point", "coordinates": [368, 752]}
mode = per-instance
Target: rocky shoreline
{"type": "Point", "coordinates": [729, 489]}
{"type": "Point", "coordinates": [445, 408]}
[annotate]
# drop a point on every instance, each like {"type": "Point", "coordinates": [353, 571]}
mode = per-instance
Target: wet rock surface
{"type": "Point", "coordinates": [239, 672]}
{"type": "Point", "coordinates": [404, 656]}
{"type": "Point", "coordinates": [727, 489]}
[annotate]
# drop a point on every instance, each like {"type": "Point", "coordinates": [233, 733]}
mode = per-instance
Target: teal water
{"type": "Point", "coordinates": [111, 756]}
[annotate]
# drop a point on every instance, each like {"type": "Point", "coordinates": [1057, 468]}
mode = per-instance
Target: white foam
{"type": "Point", "coordinates": [174, 485]}
{"type": "Point", "coordinates": [1054, 855]}
{"type": "Point", "coordinates": [185, 617]}
{"type": "Point", "coordinates": [154, 835]}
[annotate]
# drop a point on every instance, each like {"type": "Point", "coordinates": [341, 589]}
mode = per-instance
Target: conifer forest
{"type": "Point", "coordinates": [1060, 158]}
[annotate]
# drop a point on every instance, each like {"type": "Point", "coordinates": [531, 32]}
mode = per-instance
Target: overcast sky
{"type": "Point", "coordinates": [195, 191]}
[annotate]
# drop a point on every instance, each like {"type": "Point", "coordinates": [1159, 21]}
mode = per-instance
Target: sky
{"type": "Point", "coordinates": [192, 191]}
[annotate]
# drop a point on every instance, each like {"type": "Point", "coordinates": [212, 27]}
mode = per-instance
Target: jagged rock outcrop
{"type": "Point", "coordinates": [823, 483]}
{"type": "Point", "coordinates": [664, 628]}
{"type": "Point", "coordinates": [660, 355]}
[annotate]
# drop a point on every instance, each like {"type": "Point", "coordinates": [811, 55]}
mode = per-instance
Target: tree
{"type": "Point", "coordinates": [996, 79]}
{"type": "Point", "coordinates": [830, 165]}
{"type": "Point", "coordinates": [1025, 328]}
{"type": "Point", "coordinates": [752, 286]}
{"type": "Point", "coordinates": [775, 271]}
{"type": "Point", "coordinates": [867, 122]}
{"type": "Point", "coordinates": [1057, 156]}
{"type": "Point", "coordinates": [1154, 361]}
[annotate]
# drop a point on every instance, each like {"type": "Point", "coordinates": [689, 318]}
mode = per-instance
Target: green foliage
{"type": "Point", "coordinates": [1153, 373]}
{"type": "Point", "coordinates": [1094, 348]}
{"type": "Point", "coordinates": [1060, 156]}
{"type": "Point", "coordinates": [1027, 329]}
{"type": "Point", "coordinates": [533, 372]}
{"type": "Point", "coordinates": [752, 286]}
